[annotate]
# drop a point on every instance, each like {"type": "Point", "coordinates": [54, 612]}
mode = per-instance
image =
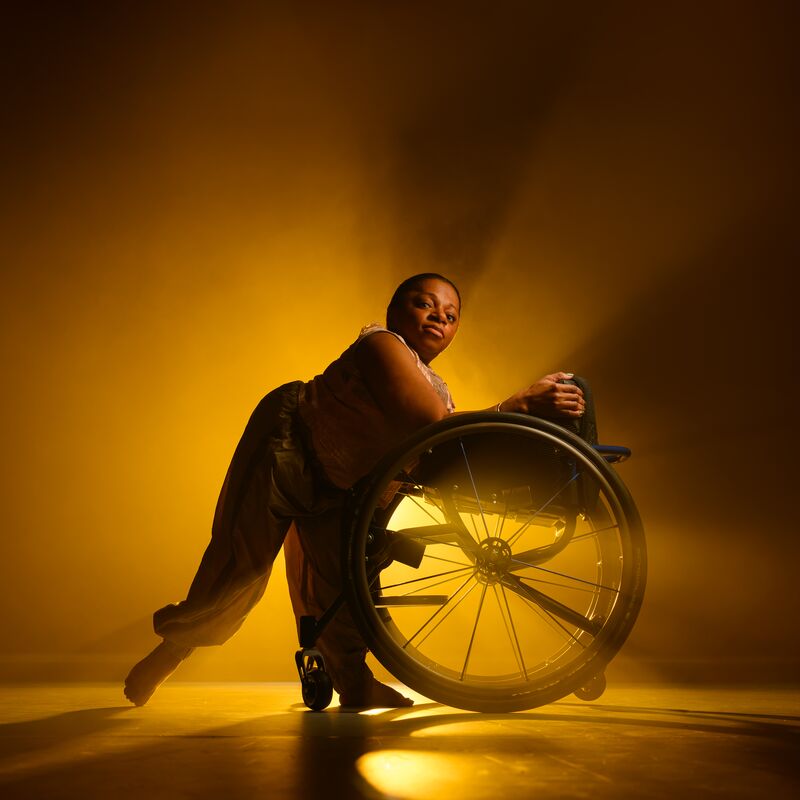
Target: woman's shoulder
{"type": "Point", "coordinates": [376, 327]}
{"type": "Point", "coordinates": [433, 378]}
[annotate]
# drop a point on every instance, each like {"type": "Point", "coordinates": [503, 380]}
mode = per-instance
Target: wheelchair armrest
{"type": "Point", "coordinates": [613, 453]}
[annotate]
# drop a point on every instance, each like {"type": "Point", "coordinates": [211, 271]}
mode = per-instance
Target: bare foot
{"type": "Point", "coordinates": [152, 671]}
{"type": "Point", "coordinates": [375, 695]}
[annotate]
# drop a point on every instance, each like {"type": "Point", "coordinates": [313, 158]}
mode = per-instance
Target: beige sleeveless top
{"type": "Point", "coordinates": [349, 432]}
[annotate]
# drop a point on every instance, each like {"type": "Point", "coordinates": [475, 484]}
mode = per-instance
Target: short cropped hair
{"type": "Point", "coordinates": [414, 281]}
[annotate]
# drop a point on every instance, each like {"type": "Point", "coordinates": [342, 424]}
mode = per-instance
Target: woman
{"type": "Point", "coordinates": [303, 447]}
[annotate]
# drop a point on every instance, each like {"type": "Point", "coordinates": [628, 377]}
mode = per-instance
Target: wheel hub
{"type": "Point", "coordinates": [492, 561]}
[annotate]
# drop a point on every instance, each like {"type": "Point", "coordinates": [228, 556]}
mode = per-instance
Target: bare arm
{"type": "Point", "coordinates": [399, 388]}
{"type": "Point", "coordinates": [406, 397]}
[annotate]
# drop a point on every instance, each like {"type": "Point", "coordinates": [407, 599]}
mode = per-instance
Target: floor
{"type": "Point", "coordinates": [256, 740]}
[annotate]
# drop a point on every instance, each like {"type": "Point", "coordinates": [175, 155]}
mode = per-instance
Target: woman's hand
{"type": "Point", "coordinates": [547, 398]}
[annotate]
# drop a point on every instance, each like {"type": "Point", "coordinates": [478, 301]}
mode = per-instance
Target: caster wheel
{"type": "Point", "coordinates": [593, 689]}
{"type": "Point", "coordinates": [317, 689]}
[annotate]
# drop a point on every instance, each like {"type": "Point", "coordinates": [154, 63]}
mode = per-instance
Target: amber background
{"type": "Point", "coordinates": [201, 202]}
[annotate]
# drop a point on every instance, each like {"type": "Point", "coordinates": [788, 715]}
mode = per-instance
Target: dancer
{"type": "Point", "coordinates": [304, 446]}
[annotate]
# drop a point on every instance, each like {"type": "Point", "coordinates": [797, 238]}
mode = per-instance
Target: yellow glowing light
{"type": "Point", "coordinates": [409, 774]}
{"type": "Point", "coordinates": [372, 712]}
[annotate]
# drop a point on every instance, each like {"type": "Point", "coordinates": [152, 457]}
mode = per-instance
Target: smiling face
{"type": "Point", "coordinates": [427, 317]}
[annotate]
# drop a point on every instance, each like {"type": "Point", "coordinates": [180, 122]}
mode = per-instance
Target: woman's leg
{"type": "Point", "coordinates": [234, 571]}
{"type": "Point", "coordinates": [313, 570]}
{"type": "Point", "coordinates": [246, 536]}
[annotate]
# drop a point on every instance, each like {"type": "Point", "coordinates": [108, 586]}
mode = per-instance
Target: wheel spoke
{"type": "Point", "coordinates": [414, 500]}
{"type": "Point", "coordinates": [426, 577]}
{"type": "Point", "coordinates": [474, 489]}
{"type": "Point", "coordinates": [436, 614]}
{"type": "Point", "coordinates": [515, 646]}
{"type": "Point", "coordinates": [475, 527]}
{"type": "Point", "coordinates": [589, 534]}
{"type": "Point", "coordinates": [552, 605]}
{"type": "Point", "coordinates": [539, 510]}
{"type": "Point", "coordinates": [474, 629]}
{"type": "Point", "coordinates": [559, 585]}
{"type": "Point", "coordinates": [563, 575]}
{"type": "Point", "coordinates": [438, 583]}
{"type": "Point", "coordinates": [527, 554]}
{"type": "Point", "coordinates": [450, 611]}
{"type": "Point", "coordinates": [446, 560]}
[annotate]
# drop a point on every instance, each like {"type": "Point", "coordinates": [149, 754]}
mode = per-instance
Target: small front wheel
{"type": "Point", "coordinates": [317, 689]}
{"type": "Point", "coordinates": [593, 689]}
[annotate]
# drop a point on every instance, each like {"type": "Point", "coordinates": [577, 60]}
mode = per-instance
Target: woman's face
{"type": "Point", "coordinates": [427, 317]}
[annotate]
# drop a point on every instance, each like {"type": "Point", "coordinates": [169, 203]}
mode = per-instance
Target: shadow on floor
{"type": "Point", "coordinates": [112, 751]}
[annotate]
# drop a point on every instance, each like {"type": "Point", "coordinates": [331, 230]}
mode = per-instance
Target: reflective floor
{"type": "Point", "coordinates": [256, 740]}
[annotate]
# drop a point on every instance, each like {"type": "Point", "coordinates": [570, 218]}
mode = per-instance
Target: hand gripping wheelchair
{"type": "Point", "coordinates": [494, 562]}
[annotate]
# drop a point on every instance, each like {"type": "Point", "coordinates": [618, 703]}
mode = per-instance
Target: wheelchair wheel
{"type": "Point", "coordinates": [495, 562]}
{"type": "Point", "coordinates": [317, 689]}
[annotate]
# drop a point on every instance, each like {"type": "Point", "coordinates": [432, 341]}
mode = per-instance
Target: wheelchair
{"type": "Point", "coordinates": [494, 562]}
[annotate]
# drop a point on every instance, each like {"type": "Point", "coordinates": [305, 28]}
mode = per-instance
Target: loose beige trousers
{"type": "Point", "coordinates": [274, 494]}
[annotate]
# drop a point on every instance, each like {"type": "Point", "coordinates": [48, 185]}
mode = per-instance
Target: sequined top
{"type": "Point", "coordinates": [349, 431]}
